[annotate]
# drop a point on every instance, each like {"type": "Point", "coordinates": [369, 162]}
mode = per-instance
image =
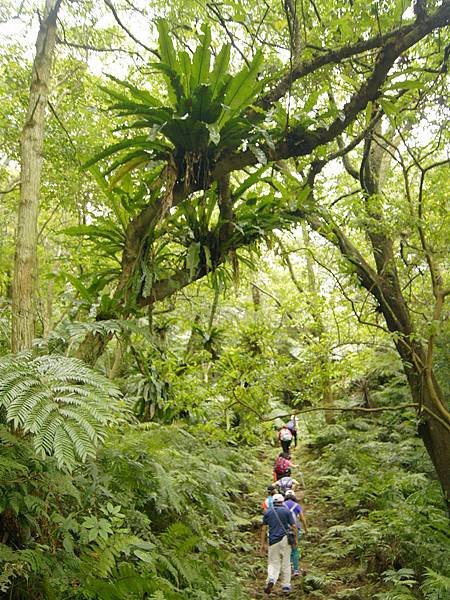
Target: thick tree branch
{"type": "Point", "coordinates": [408, 32]}
{"type": "Point", "coordinates": [301, 142]}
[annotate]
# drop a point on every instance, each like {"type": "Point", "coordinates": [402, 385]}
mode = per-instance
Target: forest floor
{"type": "Point", "coordinates": [324, 576]}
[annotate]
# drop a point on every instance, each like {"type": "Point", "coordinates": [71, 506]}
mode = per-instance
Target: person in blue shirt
{"type": "Point", "coordinates": [278, 521]}
{"type": "Point", "coordinates": [290, 501]}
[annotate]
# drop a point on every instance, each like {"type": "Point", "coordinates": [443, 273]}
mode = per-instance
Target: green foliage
{"type": "Point", "coordinates": [64, 404]}
{"type": "Point", "coordinates": [153, 515]}
{"type": "Point", "coordinates": [436, 585]}
{"type": "Point", "coordinates": [386, 513]}
{"type": "Point", "coordinates": [204, 116]}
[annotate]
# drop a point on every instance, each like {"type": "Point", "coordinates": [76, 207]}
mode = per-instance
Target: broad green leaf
{"type": "Point", "coordinates": [129, 156]}
{"type": "Point", "coordinates": [108, 231]}
{"type": "Point", "coordinates": [242, 89]}
{"type": "Point", "coordinates": [185, 68]}
{"type": "Point", "coordinates": [175, 88]}
{"type": "Point", "coordinates": [201, 60]}
{"type": "Point", "coordinates": [251, 180]}
{"type": "Point", "coordinates": [152, 116]}
{"type": "Point", "coordinates": [166, 48]}
{"type": "Point", "coordinates": [311, 101]}
{"type": "Point", "coordinates": [126, 168]}
{"type": "Point", "coordinates": [137, 93]}
{"type": "Point", "coordinates": [187, 134]}
{"type": "Point", "coordinates": [388, 107]}
{"type": "Point", "coordinates": [203, 107]}
{"type": "Point", "coordinates": [411, 84]}
{"type": "Point", "coordinates": [141, 141]}
{"type": "Point", "coordinates": [80, 287]}
{"type": "Point", "coordinates": [220, 69]}
{"type": "Point", "coordinates": [119, 210]}
{"type": "Point", "coordinates": [368, 113]}
{"type": "Point", "coordinates": [192, 258]}
{"type": "Point", "coordinates": [208, 260]}
{"type": "Point", "coordinates": [234, 132]}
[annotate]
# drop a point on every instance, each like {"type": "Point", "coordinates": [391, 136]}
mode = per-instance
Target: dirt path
{"type": "Point", "coordinates": [320, 580]}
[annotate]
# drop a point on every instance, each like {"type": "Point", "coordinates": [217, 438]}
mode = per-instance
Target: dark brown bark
{"type": "Point", "coordinates": [93, 346]}
{"type": "Point", "coordinates": [302, 143]}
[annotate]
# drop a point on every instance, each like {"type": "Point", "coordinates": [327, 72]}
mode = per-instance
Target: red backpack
{"type": "Point", "coordinates": [281, 464]}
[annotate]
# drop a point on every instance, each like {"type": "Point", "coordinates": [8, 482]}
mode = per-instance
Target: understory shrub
{"type": "Point", "coordinates": [388, 511]}
{"type": "Point", "coordinates": [150, 518]}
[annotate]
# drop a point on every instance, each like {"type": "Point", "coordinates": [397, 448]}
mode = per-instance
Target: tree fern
{"type": "Point", "coordinates": [436, 585]}
{"type": "Point", "coordinates": [64, 404]}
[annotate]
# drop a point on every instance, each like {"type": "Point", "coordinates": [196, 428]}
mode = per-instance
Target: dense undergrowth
{"type": "Point", "coordinates": [171, 510]}
{"type": "Point", "coordinates": [164, 513]}
{"type": "Point", "coordinates": [384, 532]}
{"type": "Point", "coordinates": [153, 517]}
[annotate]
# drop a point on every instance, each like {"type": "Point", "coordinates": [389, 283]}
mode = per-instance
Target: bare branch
{"type": "Point", "coordinates": [91, 48]}
{"type": "Point", "coordinates": [346, 409]}
{"type": "Point", "coordinates": [12, 186]}
{"type": "Point", "coordinates": [216, 11]}
{"type": "Point", "coordinates": [110, 5]}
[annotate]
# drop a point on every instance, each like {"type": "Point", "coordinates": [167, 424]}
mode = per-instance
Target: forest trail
{"type": "Point", "coordinates": [319, 565]}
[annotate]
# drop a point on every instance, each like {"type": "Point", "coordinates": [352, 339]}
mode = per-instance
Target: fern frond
{"type": "Point", "coordinates": [62, 402]}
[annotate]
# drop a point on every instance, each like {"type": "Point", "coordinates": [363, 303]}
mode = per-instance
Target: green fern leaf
{"type": "Point", "coordinates": [201, 60]}
{"type": "Point", "coordinates": [220, 69]}
{"type": "Point", "coordinates": [64, 404]}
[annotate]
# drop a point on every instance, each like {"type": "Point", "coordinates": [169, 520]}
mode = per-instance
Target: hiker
{"type": "Point", "coordinates": [280, 521]}
{"type": "Point", "coordinates": [290, 501]}
{"type": "Point", "coordinates": [292, 426]}
{"type": "Point", "coordinates": [285, 438]}
{"type": "Point", "coordinates": [282, 462]}
{"type": "Point", "coordinates": [286, 482]}
{"type": "Point", "coordinates": [268, 502]}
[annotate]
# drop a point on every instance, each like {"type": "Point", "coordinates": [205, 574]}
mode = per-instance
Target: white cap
{"type": "Point", "coordinates": [277, 498]}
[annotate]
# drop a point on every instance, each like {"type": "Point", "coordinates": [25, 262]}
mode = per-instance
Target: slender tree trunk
{"type": "Point", "coordinates": [327, 394]}
{"type": "Point", "coordinates": [47, 309]}
{"type": "Point", "coordinates": [32, 140]}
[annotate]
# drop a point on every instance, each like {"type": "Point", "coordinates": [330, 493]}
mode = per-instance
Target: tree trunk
{"type": "Point", "coordinates": [93, 346]}
{"type": "Point", "coordinates": [325, 362]}
{"type": "Point", "coordinates": [32, 140]}
{"type": "Point", "coordinates": [434, 434]}
{"type": "Point", "coordinates": [383, 283]}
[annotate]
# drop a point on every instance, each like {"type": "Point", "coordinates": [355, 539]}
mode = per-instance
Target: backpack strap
{"type": "Point", "coordinates": [279, 520]}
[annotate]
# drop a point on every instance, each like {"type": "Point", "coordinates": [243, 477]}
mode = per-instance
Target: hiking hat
{"type": "Point", "coordinates": [278, 498]}
{"type": "Point", "coordinates": [290, 494]}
